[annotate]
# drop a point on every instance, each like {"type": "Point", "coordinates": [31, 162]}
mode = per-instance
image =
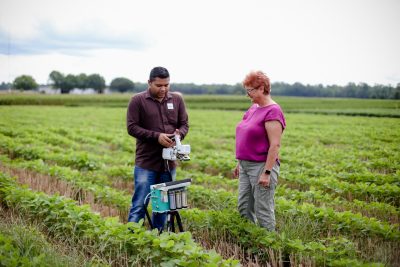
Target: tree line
{"type": "Point", "coordinates": [65, 83]}
{"type": "Point", "coordinates": [351, 90]}
{"type": "Point", "coordinates": [81, 81]}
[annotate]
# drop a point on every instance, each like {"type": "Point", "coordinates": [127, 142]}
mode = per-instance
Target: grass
{"type": "Point", "coordinates": [37, 247]}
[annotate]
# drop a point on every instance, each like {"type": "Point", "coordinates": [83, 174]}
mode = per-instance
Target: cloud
{"type": "Point", "coordinates": [80, 42]}
{"type": "Point", "coordinates": [203, 41]}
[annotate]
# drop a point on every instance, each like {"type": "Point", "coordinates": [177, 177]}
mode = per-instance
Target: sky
{"type": "Point", "coordinates": [203, 42]}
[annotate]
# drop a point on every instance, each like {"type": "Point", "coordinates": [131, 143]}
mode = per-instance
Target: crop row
{"type": "Point", "coordinates": [102, 193]}
{"type": "Point", "coordinates": [214, 151]}
{"type": "Point", "coordinates": [201, 197]}
{"type": "Point", "coordinates": [107, 237]}
{"type": "Point", "coordinates": [344, 222]}
{"type": "Point", "coordinates": [82, 161]}
{"type": "Point", "coordinates": [229, 226]}
{"type": "Point", "coordinates": [387, 193]}
{"type": "Point", "coordinates": [327, 166]}
{"type": "Point", "coordinates": [79, 160]}
{"type": "Point", "coordinates": [107, 195]}
{"type": "Point", "coordinates": [380, 210]}
{"type": "Point", "coordinates": [331, 251]}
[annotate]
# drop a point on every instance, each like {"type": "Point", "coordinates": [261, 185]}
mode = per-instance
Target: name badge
{"type": "Point", "coordinates": [170, 106]}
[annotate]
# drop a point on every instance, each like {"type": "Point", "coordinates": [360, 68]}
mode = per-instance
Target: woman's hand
{"type": "Point", "coordinates": [264, 180]}
{"type": "Point", "coordinates": [236, 171]}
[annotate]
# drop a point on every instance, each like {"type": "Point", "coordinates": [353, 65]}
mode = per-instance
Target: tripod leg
{"type": "Point", "coordinates": [148, 217]}
{"type": "Point", "coordinates": [179, 221]}
{"type": "Point", "coordinates": [168, 221]}
{"type": "Point", "coordinates": [172, 222]}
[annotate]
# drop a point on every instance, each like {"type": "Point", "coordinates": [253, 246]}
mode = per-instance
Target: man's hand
{"type": "Point", "coordinates": [165, 140]}
{"type": "Point", "coordinates": [264, 180]}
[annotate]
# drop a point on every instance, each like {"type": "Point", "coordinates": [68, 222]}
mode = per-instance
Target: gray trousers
{"type": "Point", "coordinates": [256, 202]}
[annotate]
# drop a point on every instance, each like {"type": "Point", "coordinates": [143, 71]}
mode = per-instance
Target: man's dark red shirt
{"type": "Point", "coordinates": [146, 118]}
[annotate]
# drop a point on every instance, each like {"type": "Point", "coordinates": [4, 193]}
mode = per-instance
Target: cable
{"type": "Point", "coordinates": [144, 202]}
{"type": "Point", "coordinates": [166, 164]}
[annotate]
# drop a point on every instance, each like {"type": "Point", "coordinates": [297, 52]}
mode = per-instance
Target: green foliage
{"type": "Point", "coordinates": [122, 85]}
{"type": "Point", "coordinates": [25, 82]}
{"type": "Point", "coordinates": [10, 255]}
{"type": "Point", "coordinates": [25, 245]}
{"type": "Point", "coordinates": [120, 172]}
{"type": "Point", "coordinates": [82, 81]}
{"type": "Point", "coordinates": [107, 237]}
{"type": "Point", "coordinates": [96, 82]}
{"type": "Point", "coordinates": [58, 81]}
{"type": "Point", "coordinates": [81, 161]}
{"type": "Point", "coordinates": [351, 90]}
{"type": "Point", "coordinates": [5, 86]}
{"type": "Point", "coordinates": [326, 106]}
{"type": "Point", "coordinates": [339, 174]}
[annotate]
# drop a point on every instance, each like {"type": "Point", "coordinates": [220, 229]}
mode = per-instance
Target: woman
{"type": "Point", "coordinates": [258, 138]}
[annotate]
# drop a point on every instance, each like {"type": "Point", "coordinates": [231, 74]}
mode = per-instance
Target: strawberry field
{"type": "Point", "coordinates": [66, 175]}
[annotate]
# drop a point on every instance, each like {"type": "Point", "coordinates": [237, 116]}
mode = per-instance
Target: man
{"type": "Point", "coordinates": [153, 117]}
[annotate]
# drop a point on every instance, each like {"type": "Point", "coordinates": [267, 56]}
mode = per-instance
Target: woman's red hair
{"type": "Point", "coordinates": [256, 79]}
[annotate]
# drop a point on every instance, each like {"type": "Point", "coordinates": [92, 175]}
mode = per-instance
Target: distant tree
{"type": "Point", "coordinates": [57, 80]}
{"type": "Point", "coordinates": [96, 82]}
{"type": "Point", "coordinates": [82, 81]}
{"type": "Point", "coordinates": [140, 87]}
{"type": "Point", "coordinates": [396, 94]}
{"type": "Point", "coordinates": [5, 86]}
{"type": "Point", "coordinates": [122, 85]}
{"type": "Point", "coordinates": [70, 82]}
{"type": "Point", "coordinates": [25, 82]}
{"type": "Point", "coordinates": [238, 89]}
{"type": "Point", "coordinates": [350, 90]}
{"type": "Point", "coordinates": [362, 90]}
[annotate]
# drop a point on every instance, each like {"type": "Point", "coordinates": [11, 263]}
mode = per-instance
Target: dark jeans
{"type": "Point", "coordinates": [143, 179]}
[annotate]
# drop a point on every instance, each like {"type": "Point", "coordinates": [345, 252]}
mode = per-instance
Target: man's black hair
{"type": "Point", "coordinates": [158, 72]}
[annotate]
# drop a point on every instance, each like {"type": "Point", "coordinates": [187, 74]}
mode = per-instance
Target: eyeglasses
{"type": "Point", "coordinates": [250, 90]}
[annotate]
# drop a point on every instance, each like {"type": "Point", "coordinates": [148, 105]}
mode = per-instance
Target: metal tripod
{"type": "Point", "coordinates": [172, 215]}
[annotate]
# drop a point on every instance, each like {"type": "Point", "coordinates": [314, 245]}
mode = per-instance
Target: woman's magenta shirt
{"type": "Point", "coordinates": [251, 137]}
